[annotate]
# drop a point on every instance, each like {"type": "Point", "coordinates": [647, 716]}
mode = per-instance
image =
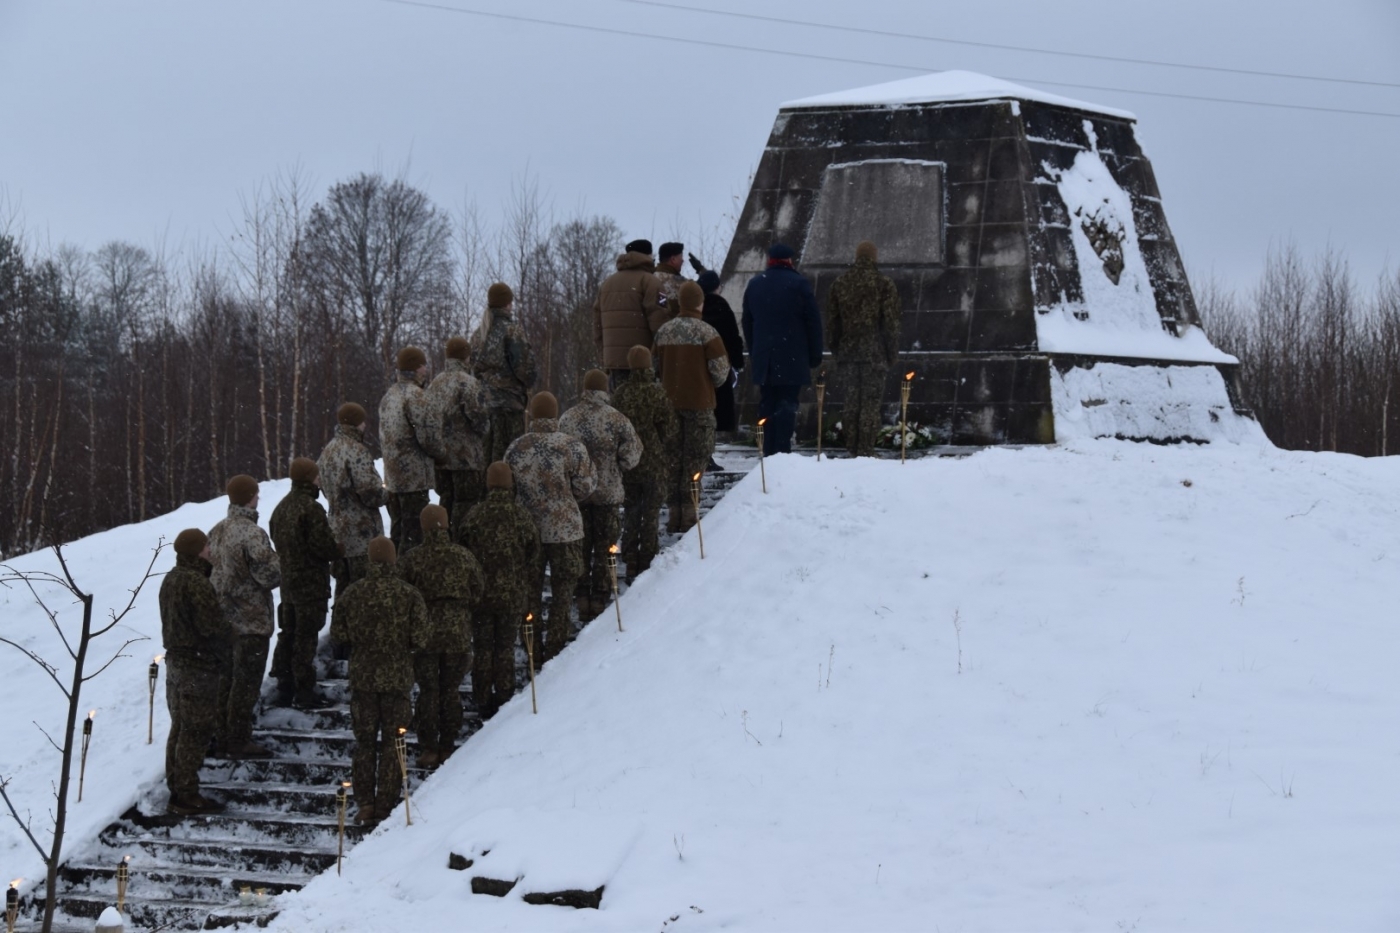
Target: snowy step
{"type": "Point", "coordinates": [185, 882]}
{"type": "Point", "coordinates": [224, 853]}
{"type": "Point", "coordinates": [149, 913]}
{"type": "Point", "coordinates": [248, 827]}
{"type": "Point", "coordinates": [333, 744]}
{"type": "Point", "coordinates": [277, 770]}
{"type": "Point", "coordinates": [239, 796]}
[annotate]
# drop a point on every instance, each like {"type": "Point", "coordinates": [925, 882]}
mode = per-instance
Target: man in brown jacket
{"type": "Point", "coordinates": [629, 310]}
{"type": "Point", "coordinates": [693, 361]}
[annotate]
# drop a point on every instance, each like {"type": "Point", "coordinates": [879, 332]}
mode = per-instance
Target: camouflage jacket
{"type": "Point", "coordinates": [192, 625]}
{"type": "Point", "coordinates": [460, 405]}
{"type": "Point", "coordinates": [862, 316]}
{"type": "Point", "coordinates": [409, 436]}
{"type": "Point", "coordinates": [246, 571]}
{"type": "Point", "coordinates": [504, 363]}
{"type": "Point", "coordinates": [353, 489]}
{"type": "Point", "coordinates": [643, 400]}
{"type": "Point", "coordinates": [612, 443]}
{"type": "Point", "coordinates": [503, 537]}
{"type": "Point", "coordinates": [384, 621]}
{"type": "Point", "coordinates": [671, 283]}
{"type": "Point", "coordinates": [451, 582]}
{"type": "Point", "coordinates": [553, 474]}
{"type": "Point", "coordinates": [305, 545]}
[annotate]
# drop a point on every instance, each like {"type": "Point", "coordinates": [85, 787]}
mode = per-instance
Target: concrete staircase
{"type": "Point", "coordinates": [280, 828]}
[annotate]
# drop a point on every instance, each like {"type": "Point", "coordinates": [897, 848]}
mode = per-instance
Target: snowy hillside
{"type": "Point", "coordinates": [1110, 687]}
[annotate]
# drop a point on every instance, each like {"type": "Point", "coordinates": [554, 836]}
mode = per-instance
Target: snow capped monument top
{"type": "Point", "coordinates": [940, 86]}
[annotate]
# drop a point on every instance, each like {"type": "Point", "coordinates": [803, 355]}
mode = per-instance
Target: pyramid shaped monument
{"type": "Point", "coordinates": [1043, 294]}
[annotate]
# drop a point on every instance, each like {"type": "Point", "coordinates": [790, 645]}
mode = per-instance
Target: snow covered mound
{"type": "Point", "coordinates": [1104, 687]}
{"type": "Point", "coordinates": [1158, 403]}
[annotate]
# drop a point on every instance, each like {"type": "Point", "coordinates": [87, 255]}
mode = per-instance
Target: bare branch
{"type": "Point", "coordinates": [48, 668]}
{"type": "Point", "coordinates": [126, 644]}
{"type": "Point", "coordinates": [5, 794]}
{"type": "Point", "coordinates": [56, 746]}
{"type": "Point", "coordinates": [131, 603]}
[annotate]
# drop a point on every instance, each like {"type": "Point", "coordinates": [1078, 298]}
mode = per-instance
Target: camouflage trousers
{"type": "Point", "coordinates": [641, 527]}
{"type": "Point", "coordinates": [602, 526]}
{"type": "Point", "coordinates": [506, 426]}
{"type": "Point", "coordinates": [565, 562]}
{"type": "Point", "coordinates": [245, 676]}
{"type": "Point", "coordinates": [405, 508]}
{"type": "Point", "coordinates": [864, 388]}
{"type": "Point", "coordinates": [458, 491]}
{"type": "Point", "coordinates": [494, 634]}
{"type": "Point", "coordinates": [376, 719]}
{"type": "Point", "coordinates": [294, 657]}
{"type": "Point", "coordinates": [694, 445]}
{"type": "Point", "coordinates": [347, 570]}
{"type": "Point", "coordinates": [191, 693]}
{"type": "Point", "coordinates": [437, 719]}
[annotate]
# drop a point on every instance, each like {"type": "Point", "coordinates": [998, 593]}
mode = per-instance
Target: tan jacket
{"type": "Point", "coordinates": [611, 440]}
{"type": "Point", "coordinates": [459, 403]}
{"type": "Point", "coordinates": [246, 571]}
{"type": "Point", "coordinates": [692, 360]}
{"type": "Point", "coordinates": [629, 310]}
{"type": "Point", "coordinates": [409, 437]}
{"type": "Point", "coordinates": [553, 474]}
{"type": "Point", "coordinates": [354, 490]}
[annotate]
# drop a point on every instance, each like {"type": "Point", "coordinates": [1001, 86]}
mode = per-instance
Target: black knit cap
{"type": "Point", "coordinates": [709, 281]}
{"type": "Point", "coordinates": [668, 250]}
{"type": "Point", "coordinates": [780, 251]}
{"type": "Point", "coordinates": [639, 246]}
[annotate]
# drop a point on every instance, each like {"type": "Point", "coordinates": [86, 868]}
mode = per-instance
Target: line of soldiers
{"type": "Point", "coordinates": [446, 591]}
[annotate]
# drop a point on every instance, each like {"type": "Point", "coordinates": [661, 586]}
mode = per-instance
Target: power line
{"type": "Point", "coordinates": [1010, 48]}
{"type": "Point", "coordinates": [922, 69]}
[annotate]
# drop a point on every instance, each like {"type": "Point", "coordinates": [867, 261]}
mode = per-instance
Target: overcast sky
{"type": "Point", "coordinates": [146, 120]}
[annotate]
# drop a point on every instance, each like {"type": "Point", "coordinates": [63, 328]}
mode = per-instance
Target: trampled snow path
{"type": "Point", "coordinates": [1174, 711]}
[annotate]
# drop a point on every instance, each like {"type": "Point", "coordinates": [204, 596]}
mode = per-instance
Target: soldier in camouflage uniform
{"type": "Point", "coordinates": [693, 361]}
{"type": "Point", "coordinates": [355, 492]}
{"type": "Point", "coordinates": [246, 571]}
{"type": "Point", "coordinates": [450, 580]}
{"type": "Point", "coordinates": [553, 474]}
{"type": "Point", "coordinates": [614, 447]}
{"type": "Point", "coordinates": [195, 634]}
{"type": "Point", "coordinates": [384, 621]}
{"type": "Point", "coordinates": [670, 259]}
{"type": "Point", "coordinates": [643, 401]}
{"type": "Point", "coordinates": [862, 313]}
{"type": "Point", "coordinates": [306, 548]}
{"type": "Point", "coordinates": [456, 396]}
{"type": "Point", "coordinates": [410, 439]}
{"type": "Point", "coordinates": [503, 537]}
{"type": "Point", "coordinates": [506, 367]}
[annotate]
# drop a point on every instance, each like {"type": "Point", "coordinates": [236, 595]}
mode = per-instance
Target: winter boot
{"type": "Point", "coordinates": [312, 700]}
{"type": "Point", "coordinates": [428, 759]}
{"type": "Point", "coordinates": [250, 749]}
{"type": "Point", "coordinates": [185, 804]}
{"type": "Point", "coordinates": [365, 815]}
{"type": "Point", "coordinates": [207, 805]}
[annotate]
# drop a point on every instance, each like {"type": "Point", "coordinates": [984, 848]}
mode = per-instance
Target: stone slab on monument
{"type": "Point", "coordinates": [1026, 235]}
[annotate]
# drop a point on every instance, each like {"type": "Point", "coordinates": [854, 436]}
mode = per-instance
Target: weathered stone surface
{"type": "Point", "coordinates": [571, 898]}
{"type": "Point", "coordinates": [492, 886]}
{"type": "Point", "coordinates": [896, 203]}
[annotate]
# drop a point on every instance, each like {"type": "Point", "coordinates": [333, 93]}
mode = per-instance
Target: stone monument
{"type": "Point", "coordinates": [1044, 297]}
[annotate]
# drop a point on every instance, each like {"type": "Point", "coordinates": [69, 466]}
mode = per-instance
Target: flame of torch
{"type": "Point", "coordinates": [762, 422]}
{"type": "Point", "coordinates": [16, 883]}
{"type": "Point", "coordinates": [614, 549]}
{"type": "Point", "coordinates": [92, 714]}
{"type": "Point", "coordinates": [908, 376]}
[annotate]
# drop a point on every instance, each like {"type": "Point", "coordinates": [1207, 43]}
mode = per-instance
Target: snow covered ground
{"type": "Point", "coordinates": [1108, 686]}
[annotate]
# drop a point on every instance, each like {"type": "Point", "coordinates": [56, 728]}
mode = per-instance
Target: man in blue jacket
{"type": "Point", "coordinates": [783, 330]}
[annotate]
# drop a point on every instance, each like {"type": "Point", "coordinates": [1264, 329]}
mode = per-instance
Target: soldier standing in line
{"type": "Point", "coordinates": [306, 547]}
{"type": "Point", "coordinates": [553, 474]}
{"type": "Point", "coordinates": [456, 397]}
{"type": "Point", "coordinates": [670, 259]}
{"type": "Point", "coordinates": [410, 439]}
{"type": "Point", "coordinates": [643, 401]}
{"type": "Point", "coordinates": [195, 634]}
{"type": "Point", "coordinates": [384, 621]}
{"type": "Point", "coordinates": [693, 362]}
{"type": "Point", "coordinates": [355, 492]}
{"type": "Point", "coordinates": [503, 538]}
{"type": "Point", "coordinates": [246, 571]}
{"type": "Point", "coordinates": [862, 315]}
{"type": "Point", "coordinates": [506, 367]}
{"type": "Point", "coordinates": [630, 308]}
{"type": "Point", "coordinates": [614, 448]}
{"type": "Point", "coordinates": [450, 581]}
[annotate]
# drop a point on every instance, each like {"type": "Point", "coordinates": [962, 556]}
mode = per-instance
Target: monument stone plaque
{"type": "Point", "coordinates": [897, 203]}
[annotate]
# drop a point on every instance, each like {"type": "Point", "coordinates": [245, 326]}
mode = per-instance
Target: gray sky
{"type": "Point", "coordinates": [145, 120]}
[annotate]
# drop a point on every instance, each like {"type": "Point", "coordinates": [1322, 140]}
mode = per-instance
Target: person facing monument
{"type": "Point", "coordinates": [670, 259]}
{"type": "Point", "coordinates": [862, 331]}
{"type": "Point", "coordinates": [505, 365]}
{"type": "Point", "coordinates": [783, 331]}
{"type": "Point", "coordinates": [411, 437]}
{"type": "Point", "coordinates": [630, 308]}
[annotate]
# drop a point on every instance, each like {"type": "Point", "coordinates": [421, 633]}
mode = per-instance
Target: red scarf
{"type": "Point", "coordinates": [785, 263]}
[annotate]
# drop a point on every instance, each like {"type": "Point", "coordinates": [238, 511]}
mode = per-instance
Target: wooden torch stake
{"type": "Point", "coordinates": [151, 677]}
{"type": "Point", "coordinates": [528, 630]}
{"type": "Point", "coordinates": [762, 474]}
{"type": "Point", "coordinates": [401, 746]}
{"type": "Point", "coordinates": [342, 800]}
{"type": "Point", "coordinates": [612, 572]}
{"type": "Point", "coordinates": [123, 878]}
{"type": "Point", "coordinates": [904, 413]}
{"type": "Point", "coordinates": [82, 759]}
{"type": "Point", "coordinates": [821, 397]}
{"type": "Point", "coordinates": [695, 501]}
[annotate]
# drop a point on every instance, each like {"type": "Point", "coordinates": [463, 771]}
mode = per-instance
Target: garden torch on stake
{"type": "Point", "coordinates": [342, 800]}
{"type": "Point", "coordinates": [612, 572]}
{"type": "Point", "coordinates": [82, 759]}
{"type": "Point", "coordinates": [528, 630]}
{"type": "Point", "coordinates": [401, 746]}
{"type": "Point", "coordinates": [904, 412]}
{"type": "Point", "coordinates": [695, 500]}
{"type": "Point", "coordinates": [151, 677]}
{"type": "Point", "coordinates": [821, 397]}
{"type": "Point", "coordinates": [758, 432]}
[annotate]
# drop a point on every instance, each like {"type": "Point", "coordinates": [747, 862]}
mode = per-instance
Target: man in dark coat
{"type": "Point", "coordinates": [783, 331]}
{"type": "Point", "coordinates": [719, 315]}
{"type": "Point", "coordinates": [306, 547]}
{"type": "Point", "coordinates": [196, 636]}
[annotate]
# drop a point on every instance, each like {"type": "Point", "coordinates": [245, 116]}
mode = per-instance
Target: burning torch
{"type": "Point", "coordinates": [904, 388]}
{"type": "Point", "coordinates": [758, 431]}
{"type": "Point", "coordinates": [612, 572]}
{"type": "Point", "coordinates": [695, 500]}
{"type": "Point", "coordinates": [821, 397]}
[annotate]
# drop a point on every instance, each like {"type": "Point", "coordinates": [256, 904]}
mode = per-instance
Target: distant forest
{"type": "Point", "coordinates": [138, 379]}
